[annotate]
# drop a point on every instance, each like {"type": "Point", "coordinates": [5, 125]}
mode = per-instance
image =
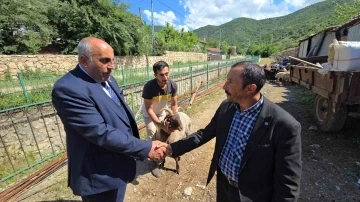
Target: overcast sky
{"type": "Point", "coordinates": [193, 14]}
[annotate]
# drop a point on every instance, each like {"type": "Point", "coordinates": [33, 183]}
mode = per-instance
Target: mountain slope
{"type": "Point", "coordinates": [284, 31]}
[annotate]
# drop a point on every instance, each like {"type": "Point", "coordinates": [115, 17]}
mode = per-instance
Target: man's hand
{"type": "Point", "coordinates": [168, 149]}
{"type": "Point", "coordinates": [157, 153]}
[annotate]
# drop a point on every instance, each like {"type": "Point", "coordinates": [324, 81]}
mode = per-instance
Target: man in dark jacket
{"type": "Point", "coordinates": [102, 137]}
{"type": "Point", "coordinates": [258, 144]}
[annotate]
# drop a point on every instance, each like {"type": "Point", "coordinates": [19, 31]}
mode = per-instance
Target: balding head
{"type": "Point", "coordinates": [96, 57]}
{"type": "Point", "coordinates": [87, 45]}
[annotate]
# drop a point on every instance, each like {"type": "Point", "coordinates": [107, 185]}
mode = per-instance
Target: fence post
{"type": "Point", "coordinates": [218, 69]}
{"type": "Point", "coordinates": [191, 78]}
{"type": "Point", "coordinates": [147, 72]}
{"type": "Point", "coordinates": [132, 101]}
{"type": "Point", "coordinates": [207, 76]}
{"type": "Point", "coordinates": [22, 83]}
{"type": "Point", "coordinates": [123, 75]}
{"type": "Point", "coordinates": [178, 66]}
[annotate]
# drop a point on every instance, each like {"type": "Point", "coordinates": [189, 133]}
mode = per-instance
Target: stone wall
{"type": "Point", "coordinates": [63, 63]}
{"type": "Point", "coordinates": [289, 52]}
{"type": "Point", "coordinates": [37, 132]}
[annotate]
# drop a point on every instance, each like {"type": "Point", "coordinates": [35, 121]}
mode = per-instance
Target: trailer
{"type": "Point", "coordinates": [337, 92]}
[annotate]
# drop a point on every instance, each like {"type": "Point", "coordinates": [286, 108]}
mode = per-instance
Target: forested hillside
{"type": "Point", "coordinates": [280, 32]}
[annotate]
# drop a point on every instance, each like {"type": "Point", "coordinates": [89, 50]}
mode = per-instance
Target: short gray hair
{"type": "Point", "coordinates": [84, 48]}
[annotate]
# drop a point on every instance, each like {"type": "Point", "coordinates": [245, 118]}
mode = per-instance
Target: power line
{"type": "Point", "coordinates": [175, 11]}
{"type": "Point", "coordinates": [138, 2]}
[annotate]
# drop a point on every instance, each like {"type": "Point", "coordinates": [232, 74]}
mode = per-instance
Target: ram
{"type": "Point", "coordinates": [283, 77]}
{"type": "Point", "coordinates": [181, 123]}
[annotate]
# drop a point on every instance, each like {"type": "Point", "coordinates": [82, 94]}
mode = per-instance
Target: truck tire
{"type": "Point", "coordinates": [327, 120]}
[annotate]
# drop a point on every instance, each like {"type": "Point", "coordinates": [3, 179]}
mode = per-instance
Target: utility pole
{"type": "Point", "coordinates": [220, 43]}
{"type": "Point", "coordinates": [140, 16]}
{"type": "Point", "coordinates": [153, 29]}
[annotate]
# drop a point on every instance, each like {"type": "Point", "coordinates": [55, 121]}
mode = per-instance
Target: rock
{"type": "Point", "coordinates": [357, 163]}
{"type": "Point", "coordinates": [201, 186]}
{"type": "Point", "coordinates": [188, 191]}
{"type": "Point", "coordinates": [338, 188]}
{"type": "Point", "coordinates": [313, 128]}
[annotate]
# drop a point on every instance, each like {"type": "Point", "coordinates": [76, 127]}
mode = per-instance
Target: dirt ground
{"type": "Point", "coordinates": [331, 162]}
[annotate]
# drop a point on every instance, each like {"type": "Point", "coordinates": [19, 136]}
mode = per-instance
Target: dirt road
{"type": "Point", "coordinates": [331, 162]}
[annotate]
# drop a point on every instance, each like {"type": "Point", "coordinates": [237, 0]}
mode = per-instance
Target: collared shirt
{"type": "Point", "coordinates": [104, 89]}
{"type": "Point", "coordinates": [239, 133]}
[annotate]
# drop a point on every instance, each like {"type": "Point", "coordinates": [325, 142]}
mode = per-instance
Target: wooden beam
{"type": "Point", "coordinates": [305, 62]}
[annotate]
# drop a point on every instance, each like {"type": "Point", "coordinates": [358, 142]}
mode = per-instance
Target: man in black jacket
{"type": "Point", "coordinates": [258, 144]}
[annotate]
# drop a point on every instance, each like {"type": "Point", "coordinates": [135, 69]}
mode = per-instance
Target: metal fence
{"type": "Point", "coordinates": [33, 133]}
{"type": "Point", "coordinates": [34, 86]}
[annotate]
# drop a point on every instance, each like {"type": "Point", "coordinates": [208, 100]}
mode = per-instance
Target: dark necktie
{"type": "Point", "coordinates": [113, 96]}
{"type": "Point", "coordinates": [124, 111]}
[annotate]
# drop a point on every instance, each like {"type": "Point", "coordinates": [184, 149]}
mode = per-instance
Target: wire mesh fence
{"type": "Point", "coordinates": [31, 133]}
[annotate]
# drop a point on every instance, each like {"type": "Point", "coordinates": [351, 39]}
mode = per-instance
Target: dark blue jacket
{"type": "Point", "coordinates": [102, 142]}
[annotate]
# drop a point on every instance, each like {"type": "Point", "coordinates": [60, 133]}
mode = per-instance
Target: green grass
{"type": "Point", "coordinates": [18, 99]}
{"type": "Point", "coordinates": [37, 85]}
{"type": "Point", "coordinates": [19, 162]}
{"type": "Point", "coordinates": [264, 61]}
{"type": "Point", "coordinates": [143, 134]}
{"type": "Point", "coordinates": [304, 96]}
{"type": "Point", "coordinates": [195, 108]}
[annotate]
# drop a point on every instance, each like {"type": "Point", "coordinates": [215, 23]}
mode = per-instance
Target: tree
{"type": "Point", "coordinates": [224, 47]}
{"type": "Point", "coordinates": [344, 12]}
{"type": "Point", "coordinates": [265, 50]}
{"type": "Point", "coordinates": [213, 43]}
{"type": "Point", "coordinates": [168, 38]}
{"type": "Point", "coordinates": [231, 50]}
{"type": "Point", "coordinates": [108, 20]}
{"type": "Point", "coordinates": [24, 26]}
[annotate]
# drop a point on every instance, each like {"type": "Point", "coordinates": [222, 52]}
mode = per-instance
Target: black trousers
{"type": "Point", "coordinates": [116, 195]}
{"type": "Point", "coordinates": [224, 191]}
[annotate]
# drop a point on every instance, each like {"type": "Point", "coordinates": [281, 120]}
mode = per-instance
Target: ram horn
{"type": "Point", "coordinates": [180, 109]}
{"type": "Point", "coordinates": [167, 110]}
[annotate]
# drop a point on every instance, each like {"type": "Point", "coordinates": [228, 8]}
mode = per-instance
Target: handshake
{"type": "Point", "coordinates": [159, 150]}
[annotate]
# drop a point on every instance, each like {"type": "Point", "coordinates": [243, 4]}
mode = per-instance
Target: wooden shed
{"type": "Point", "coordinates": [317, 44]}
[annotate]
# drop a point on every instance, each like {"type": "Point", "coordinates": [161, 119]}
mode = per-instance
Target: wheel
{"type": "Point", "coordinates": [328, 120]}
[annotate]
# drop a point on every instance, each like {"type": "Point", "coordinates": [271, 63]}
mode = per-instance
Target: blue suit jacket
{"type": "Point", "coordinates": [102, 142]}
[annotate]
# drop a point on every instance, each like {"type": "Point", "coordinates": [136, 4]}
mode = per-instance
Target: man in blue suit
{"type": "Point", "coordinates": [101, 133]}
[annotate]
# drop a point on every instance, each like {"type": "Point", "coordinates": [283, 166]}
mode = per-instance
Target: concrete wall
{"type": "Point", "coordinates": [63, 63]}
